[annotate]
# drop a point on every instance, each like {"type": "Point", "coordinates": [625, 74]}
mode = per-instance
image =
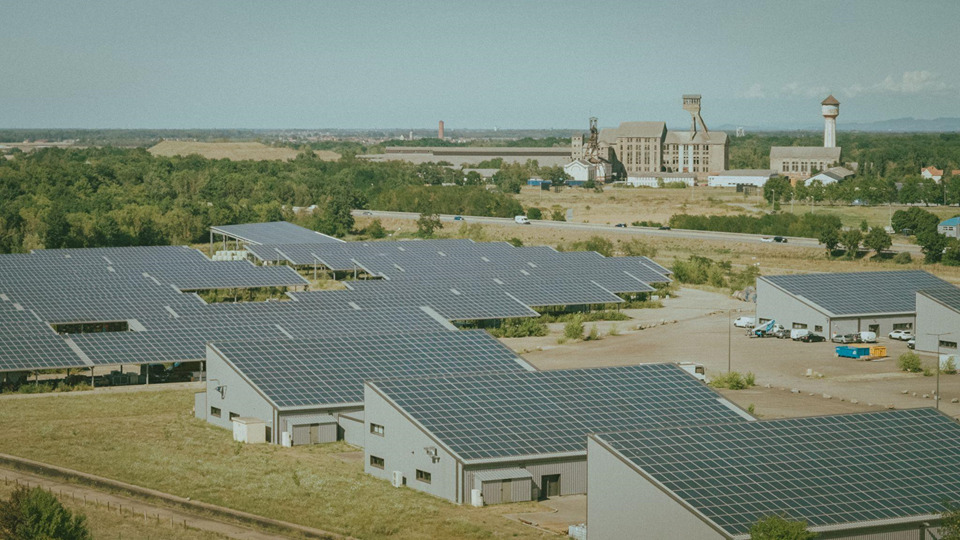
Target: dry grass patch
{"type": "Point", "coordinates": [153, 440]}
{"type": "Point", "coordinates": [232, 150]}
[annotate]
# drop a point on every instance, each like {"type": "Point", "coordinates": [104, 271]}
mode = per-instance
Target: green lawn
{"type": "Point", "coordinates": [152, 439]}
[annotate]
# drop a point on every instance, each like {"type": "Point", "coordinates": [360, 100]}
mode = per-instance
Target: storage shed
{"type": "Point", "coordinates": [450, 435]}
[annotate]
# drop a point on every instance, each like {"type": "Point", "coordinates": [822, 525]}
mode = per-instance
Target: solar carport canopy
{"type": "Point", "coordinates": [829, 471]}
{"type": "Point", "coordinates": [274, 232]}
{"type": "Point", "coordinates": [860, 293]}
{"type": "Point", "coordinates": [331, 371]}
{"type": "Point", "coordinates": [516, 415]}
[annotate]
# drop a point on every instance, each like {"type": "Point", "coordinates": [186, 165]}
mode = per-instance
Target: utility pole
{"type": "Point", "coordinates": [729, 339]}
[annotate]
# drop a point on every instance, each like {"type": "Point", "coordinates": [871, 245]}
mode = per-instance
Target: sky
{"type": "Point", "coordinates": [473, 64]}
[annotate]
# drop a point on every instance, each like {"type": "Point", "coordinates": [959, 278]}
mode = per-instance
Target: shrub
{"type": "Point", "coordinates": [35, 513]}
{"type": "Point", "coordinates": [614, 330]}
{"type": "Point", "coordinates": [636, 248]}
{"type": "Point", "coordinates": [903, 258]}
{"type": "Point", "coordinates": [951, 367]}
{"type": "Point", "coordinates": [750, 379]}
{"type": "Point", "coordinates": [427, 224]}
{"type": "Point", "coordinates": [732, 381]}
{"type": "Point", "coordinates": [558, 214]}
{"type": "Point", "coordinates": [589, 316]}
{"type": "Point", "coordinates": [573, 329]}
{"type": "Point", "coordinates": [515, 242]}
{"type": "Point", "coordinates": [595, 243]}
{"type": "Point", "coordinates": [534, 213]}
{"type": "Point", "coordinates": [524, 327]}
{"type": "Point", "coordinates": [375, 229]}
{"type": "Point", "coordinates": [751, 408]}
{"type": "Point", "coordinates": [909, 362]}
{"type": "Point", "coordinates": [594, 334]}
{"type": "Point", "coordinates": [779, 528]}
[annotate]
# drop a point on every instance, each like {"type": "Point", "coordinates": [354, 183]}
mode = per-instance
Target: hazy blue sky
{"type": "Point", "coordinates": [186, 64]}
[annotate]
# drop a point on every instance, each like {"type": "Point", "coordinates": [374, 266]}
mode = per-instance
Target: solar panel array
{"type": "Point", "coordinates": [510, 415]}
{"type": "Point", "coordinates": [143, 286]}
{"type": "Point", "coordinates": [331, 370]}
{"type": "Point", "coordinates": [829, 470]}
{"type": "Point", "coordinates": [274, 232]}
{"type": "Point", "coordinates": [860, 292]}
{"type": "Point", "coordinates": [948, 296]}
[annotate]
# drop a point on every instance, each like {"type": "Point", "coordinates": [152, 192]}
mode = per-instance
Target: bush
{"type": "Point", "coordinates": [35, 513]}
{"type": "Point", "coordinates": [589, 316]}
{"type": "Point", "coordinates": [646, 223]}
{"type": "Point", "coordinates": [515, 242]}
{"type": "Point", "coordinates": [427, 224]}
{"type": "Point", "coordinates": [903, 258]}
{"type": "Point", "coordinates": [594, 334]}
{"type": "Point", "coordinates": [595, 243]}
{"type": "Point", "coordinates": [780, 528]}
{"type": "Point", "coordinates": [909, 362]}
{"type": "Point", "coordinates": [750, 379]}
{"type": "Point", "coordinates": [524, 327]}
{"type": "Point", "coordinates": [375, 229]}
{"type": "Point", "coordinates": [951, 367]}
{"type": "Point", "coordinates": [573, 329]}
{"type": "Point", "coordinates": [733, 381]}
{"type": "Point", "coordinates": [636, 248]}
{"type": "Point", "coordinates": [558, 214]}
{"type": "Point", "coordinates": [534, 213]}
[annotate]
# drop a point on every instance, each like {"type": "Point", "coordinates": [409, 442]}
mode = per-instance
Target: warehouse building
{"type": "Point", "coordinates": [312, 389]}
{"type": "Point", "coordinates": [740, 177]}
{"type": "Point", "coordinates": [843, 303]}
{"type": "Point", "coordinates": [878, 475]}
{"type": "Point", "coordinates": [938, 320]}
{"type": "Point", "coordinates": [520, 436]}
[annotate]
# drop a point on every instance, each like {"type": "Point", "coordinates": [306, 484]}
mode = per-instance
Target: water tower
{"type": "Point", "coordinates": [831, 110]}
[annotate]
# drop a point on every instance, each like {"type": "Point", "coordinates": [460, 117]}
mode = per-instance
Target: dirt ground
{"type": "Point", "coordinates": [694, 327]}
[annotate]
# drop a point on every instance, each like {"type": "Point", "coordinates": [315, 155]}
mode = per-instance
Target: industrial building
{"type": "Point", "coordinates": [801, 161]}
{"type": "Point", "coordinates": [520, 436]}
{"type": "Point", "coordinates": [830, 176]}
{"type": "Point", "coordinates": [310, 391]}
{"type": "Point", "coordinates": [938, 320]}
{"type": "Point", "coordinates": [844, 303]}
{"type": "Point", "coordinates": [661, 179]}
{"type": "Point", "coordinates": [741, 177]}
{"type": "Point", "coordinates": [877, 475]}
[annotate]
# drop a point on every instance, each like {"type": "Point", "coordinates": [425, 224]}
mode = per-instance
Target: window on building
{"type": "Point", "coordinates": [423, 476]}
{"type": "Point", "coordinates": [903, 326]}
{"type": "Point", "coordinates": [818, 328]}
{"type": "Point", "coordinates": [233, 415]}
{"type": "Point", "coordinates": [799, 326]}
{"type": "Point", "coordinates": [948, 344]}
{"type": "Point", "coordinates": [376, 462]}
{"type": "Point", "coordinates": [763, 321]}
{"type": "Point", "coordinates": [376, 429]}
{"type": "Point", "coordinates": [214, 411]}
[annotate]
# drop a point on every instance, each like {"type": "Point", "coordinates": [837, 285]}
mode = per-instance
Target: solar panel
{"type": "Point", "coordinates": [328, 371]}
{"type": "Point", "coordinates": [948, 296]}
{"type": "Point", "coordinates": [509, 415]}
{"type": "Point", "coordinates": [274, 232]}
{"type": "Point", "coordinates": [827, 470]}
{"type": "Point", "coordinates": [860, 292]}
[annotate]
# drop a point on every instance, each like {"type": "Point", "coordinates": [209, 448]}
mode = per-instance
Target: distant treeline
{"type": "Point", "coordinates": [780, 224]}
{"type": "Point", "coordinates": [110, 196]}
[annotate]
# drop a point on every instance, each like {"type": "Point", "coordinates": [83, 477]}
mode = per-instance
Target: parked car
{"type": "Point", "coordinates": [811, 338]}
{"type": "Point", "coordinates": [620, 225]}
{"type": "Point", "coordinates": [782, 333]}
{"type": "Point", "coordinates": [458, 218]}
{"type": "Point", "coordinates": [911, 344]}
{"type": "Point", "coordinates": [846, 338]}
{"type": "Point", "coordinates": [744, 322]}
{"type": "Point", "coordinates": [664, 228]}
{"type": "Point", "coordinates": [367, 213]}
{"type": "Point", "coordinates": [522, 220]}
{"type": "Point", "coordinates": [780, 239]}
{"type": "Point", "coordinates": [902, 335]}
{"type": "Point", "coordinates": [868, 337]}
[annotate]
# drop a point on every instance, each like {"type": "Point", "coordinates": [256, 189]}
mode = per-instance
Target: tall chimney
{"type": "Point", "coordinates": [440, 131]}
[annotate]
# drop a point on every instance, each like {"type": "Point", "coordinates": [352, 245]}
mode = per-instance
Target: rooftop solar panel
{"type": "Point", "coordinates": [859, 293]}
{"type": "Point", "coordinates": [274, 232]}
{"type": "Point", "coordinates": [329, 371]}
{"type": "Point", "coordinates": [948, 296]}
{"type": "Point", "coordinates": [510, 415]}
{"type": "Point", "coordinates": [828, 471]}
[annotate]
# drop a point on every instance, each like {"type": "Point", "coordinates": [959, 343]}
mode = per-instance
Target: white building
{"type": "Point", "coordinates": [581, 170]}
{"type": "Point", "coordinates": [931, 173]}
{"type": "Point", "coordinates": [740, 177]}
{"type": "Point", "coordinates": [830, 176]}
{"type": "Point", "coordinates": [656, 179]}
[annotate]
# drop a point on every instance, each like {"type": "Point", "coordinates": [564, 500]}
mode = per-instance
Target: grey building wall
{"type": "Point", "coordinates": [906, 531]}
{"type": "Point", "coordinates": [519, 489]}
{"type": "Point", "coordinates": [200, 405]}
{"type": "Point", "coordinates": [351, 427]}
{"type": "Point", "coordinates": [935, 318]}
{"type": "Point", "coordinates": [572, 471]}
{"type": "Point", "coordinates": [775, 304]}
{"type": "Point", "coordinates": [851, 325]}
{"type": "Point", "coordinates": [238, 396]}
{"type": "Point", "coordinates": [624, 505]}
{"type": "Point", "coordinates": [402, 447]}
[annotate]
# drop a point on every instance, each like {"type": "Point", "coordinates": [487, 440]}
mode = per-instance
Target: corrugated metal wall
{"type": "Point", "coordinates": [573, 475]}
{"type": "Point", "coordinates": [520, 490]}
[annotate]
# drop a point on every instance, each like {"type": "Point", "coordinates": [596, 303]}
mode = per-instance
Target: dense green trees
{"type": "Point", "coordinates": [780, 528]}
{"type": "Point", "coordinates": [783, 224]}
{"type": "Point", "coordinates": [36, 514]}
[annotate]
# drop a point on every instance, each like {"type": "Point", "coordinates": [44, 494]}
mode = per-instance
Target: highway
{"type": "Point", "coordinates": [628, 230]}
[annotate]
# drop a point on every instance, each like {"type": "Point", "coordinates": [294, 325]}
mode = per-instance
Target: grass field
{"type": "Point", "coordinates": [232, 150]}
{"type": "Point", "coordinates": [626, 205]}
{"type": "Point", "coordinates": [153, 440]}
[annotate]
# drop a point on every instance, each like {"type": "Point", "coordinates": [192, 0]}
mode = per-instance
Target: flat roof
{"type": "Point", "coordinates": [834, 472]}
{"type": "Point", "coordinates": [859, 293]}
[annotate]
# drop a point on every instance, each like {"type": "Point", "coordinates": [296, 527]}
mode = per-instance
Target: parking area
{"type": "Point", "coordinates": [695, 327]}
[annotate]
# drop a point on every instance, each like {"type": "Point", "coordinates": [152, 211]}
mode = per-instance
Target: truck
{"type": "Point", "coordinates": [522, 220]}
{"type": "Point", "coordinates": [768, 328]}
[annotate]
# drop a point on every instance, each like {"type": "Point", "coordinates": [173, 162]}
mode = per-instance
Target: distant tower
{"type": "Point", "coordinates": [440, 131]}
{"type": "Point", "coordinates": [831, 109]}
{"type": "Point", "coordinates": [740, 131]}
{"type": "Point", "coordinates": [691, 104]}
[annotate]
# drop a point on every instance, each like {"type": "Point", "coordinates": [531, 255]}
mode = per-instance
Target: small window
{"type": "Point", "coordinates": [233, 415]}
{"type": "Point", "coordinates": [903, 326]}
{"type": "Point", "coordinates": [423, 476]}
{"type": "Point", "coordinates": [818, 328]}
{"type": "Point", "coordinates": [214, 411]}
{"type": "Point", "coordinates": [376, 462]}
{"type": "Point", "coordinates": [948, 344]}
{"type": "Point", "coordinates": [376, 429]}
{"type": "Point", "coordinates": [799, 326]}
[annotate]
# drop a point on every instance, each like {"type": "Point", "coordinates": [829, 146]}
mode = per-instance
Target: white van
{"type": "Point", "coordinates": [868, 337]}
{"type": "Point", "coordinates": [798, 333]}
{"type": "Point", "coordinates": [745, 322]}
{"type": "Point", "coordinates": [521, 220]}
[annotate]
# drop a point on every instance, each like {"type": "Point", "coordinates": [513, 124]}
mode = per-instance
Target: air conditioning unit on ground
{"type": "Point", "coordinates": [397, 479]}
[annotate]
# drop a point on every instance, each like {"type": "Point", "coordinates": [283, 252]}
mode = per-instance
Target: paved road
{"type": "Point", "coordinates": [649, 231]}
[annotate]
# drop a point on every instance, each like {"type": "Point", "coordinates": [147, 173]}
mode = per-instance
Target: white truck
{"type": "Point", "coordinates": [522, 220]}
